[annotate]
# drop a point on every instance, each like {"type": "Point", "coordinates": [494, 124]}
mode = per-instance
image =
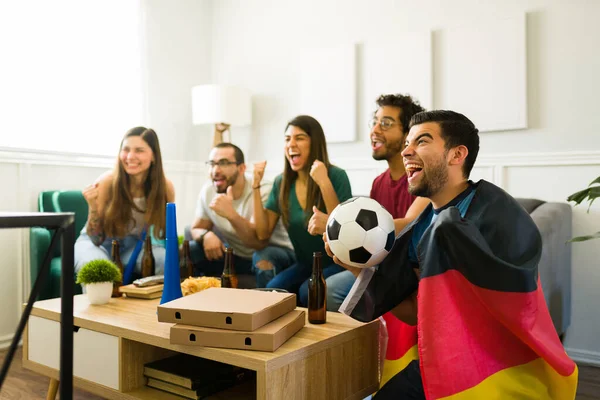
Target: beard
{"type": "Point", "coordinates": [391, 149]}
{"type": "Point", "coordinates": [433, 179]}
{"type": "Point", "coordinates": [229, 181]}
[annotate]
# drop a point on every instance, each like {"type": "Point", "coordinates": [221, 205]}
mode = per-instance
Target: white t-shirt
{"type": "Point", "coordinates": [244, 207]}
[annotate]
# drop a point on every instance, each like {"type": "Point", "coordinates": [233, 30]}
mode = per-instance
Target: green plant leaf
{"type": "Point", "coordinates": [98, 271]}
{"type": "Point", "coordinates": [597, 180]}
{"type": "Point", "coordinates": [578, 197]}
{"type": "Point", "coordinates": [586, 237]}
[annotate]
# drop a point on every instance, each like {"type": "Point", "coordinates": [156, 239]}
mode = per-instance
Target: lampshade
{"type": "Point", "coordinates": [213, 104]}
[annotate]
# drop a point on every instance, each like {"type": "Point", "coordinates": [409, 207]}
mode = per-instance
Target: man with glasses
{"type": "Point", "coordinates": [389, 127]}
{"type": "Point", "coordinates": [224, 218]}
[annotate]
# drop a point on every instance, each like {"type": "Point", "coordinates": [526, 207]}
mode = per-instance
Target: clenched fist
{"type": "Point", "coordinates": [90, 194]}
{"type": "Point", "coordinates": [259, 172]}
{"type": "Point", "coordinates": [318, 172]}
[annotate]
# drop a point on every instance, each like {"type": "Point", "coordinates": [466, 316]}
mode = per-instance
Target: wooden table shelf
{"type": "Point", "coordinates": [337, 360]}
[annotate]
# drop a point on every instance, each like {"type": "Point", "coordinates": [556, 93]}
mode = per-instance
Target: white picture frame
{"type": "Point", "coordinates": [481, 72]}
{"type": "Point", "coordinates": [328, 90]}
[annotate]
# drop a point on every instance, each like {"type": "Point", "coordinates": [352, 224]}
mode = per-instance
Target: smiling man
{"type": "Point", "coordinates": [224, 217]}
{"type": "Point", "coordinates": [465, 273]}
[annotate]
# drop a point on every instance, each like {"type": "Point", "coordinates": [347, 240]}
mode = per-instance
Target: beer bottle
{"type": "Point", "coordinates": [229, 278]}
{"type": "Point", "coordinates": [317, 292]}
{"type": "Point", "coordinates": [186, 267]}
{"type": "Point", "coordinates": [148, 266]}
{"type": "Point", "coordinates": [116, 259]}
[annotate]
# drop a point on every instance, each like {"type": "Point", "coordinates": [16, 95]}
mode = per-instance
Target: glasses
{"type": "Point", "coordinates": [385, 123]}
{"type": "Point", "coordinates": [222, 163]}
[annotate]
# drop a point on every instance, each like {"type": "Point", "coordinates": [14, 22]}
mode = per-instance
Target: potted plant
{"type": "Point", "coordinates": [592, 192]}
{"type": "Point", "coordinates": [98, 276]}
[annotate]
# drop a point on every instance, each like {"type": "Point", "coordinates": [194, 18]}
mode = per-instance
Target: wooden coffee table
{"type": "Point", "coordinates": [112, 342]}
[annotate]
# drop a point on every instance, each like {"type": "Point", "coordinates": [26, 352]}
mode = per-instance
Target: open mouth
{"type": "Point", "coordinates": [376, 144]}
{"type": "Point", "coordinates": [413, 171]}
{"type": "Point", "coordinates": [294, 159]}
{"type": "Point", "coordinates": [219, 181]}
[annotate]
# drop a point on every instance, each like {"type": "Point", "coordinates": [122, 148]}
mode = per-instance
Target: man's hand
{"type": "Point", "coordinates": [355, 271]}
{"type": "Point", "coordinates": [317, 222]}
{"type": "Point", "coordinates": [222, 204]}
{"type": "Point", "coordinates": [258, 173]}
{"type": "Point", "coordinates": [213, 247]}
{"type": "Point", "coordinates": [90, 194]}
{"type": "Point", "coordinates": [318, 172]}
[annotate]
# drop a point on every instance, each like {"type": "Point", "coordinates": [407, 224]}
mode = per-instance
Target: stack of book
{"type": "Point", "coordinates": [193, 377]}
{"type": "Point", "coordinates": [233, 318]}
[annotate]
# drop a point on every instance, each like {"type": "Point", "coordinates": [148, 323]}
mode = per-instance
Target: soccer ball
{"type": "Point", "coordinates": [360, 232]}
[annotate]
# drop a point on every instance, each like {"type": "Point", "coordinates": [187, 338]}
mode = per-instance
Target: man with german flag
{"type": "Point", "coordinates": [465, 273]}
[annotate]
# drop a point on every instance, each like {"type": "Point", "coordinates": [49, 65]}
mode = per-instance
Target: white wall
{"type": "Point", "coordinates": [550, 160]}
{"type": "Point", "coordinates": [263, 38]}
{"type": "Point", "coordinates": [177, 52]}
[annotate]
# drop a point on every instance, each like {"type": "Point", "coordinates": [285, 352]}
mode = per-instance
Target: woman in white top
{"type": "Point", "coordinates": [126, 201]}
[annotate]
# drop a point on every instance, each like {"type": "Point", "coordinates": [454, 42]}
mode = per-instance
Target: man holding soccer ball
{"type": "Point", "coordinates": [465, 273]}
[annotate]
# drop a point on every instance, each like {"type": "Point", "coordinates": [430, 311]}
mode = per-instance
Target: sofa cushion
{"type": "Point", "coordinates": [530, 204]}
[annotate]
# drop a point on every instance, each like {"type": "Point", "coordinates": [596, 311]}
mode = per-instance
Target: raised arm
{"type": "Point", "coordinates": [96, 195]}
{"type": "Point", "coordinates": [264, 220]}
{"type": "Point", "coordinates": [319, 174]}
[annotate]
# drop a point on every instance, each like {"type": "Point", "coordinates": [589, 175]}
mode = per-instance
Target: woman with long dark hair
{"type": "Point", "coordinates": [127, 202]}
{"type": "Point", "coordinates": [308, 182]}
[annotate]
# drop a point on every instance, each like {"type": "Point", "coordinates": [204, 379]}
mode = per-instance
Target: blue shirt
{"type": "Point", "coordinates": [462, 202]}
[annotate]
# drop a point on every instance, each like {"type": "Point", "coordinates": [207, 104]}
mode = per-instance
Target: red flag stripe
{"type": "Point", "coordinates": [467, 333]}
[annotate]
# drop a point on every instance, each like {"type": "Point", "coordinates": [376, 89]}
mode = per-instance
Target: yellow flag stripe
{"type": "Point", "coordinates": [392, 367]}
{"type": "Point", "coordinates": [534, 380]}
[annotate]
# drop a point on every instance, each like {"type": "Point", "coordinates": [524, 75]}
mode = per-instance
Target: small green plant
{"type": "Point", "coordinates": [591, 193]}
{"type": "Point", "coordinates": [97, 271]}
{"type": "Point", "coordinates": [180, 240]}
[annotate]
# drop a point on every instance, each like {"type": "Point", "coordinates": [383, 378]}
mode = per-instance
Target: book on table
{"type": "Point", "coordinates": [193, 377]}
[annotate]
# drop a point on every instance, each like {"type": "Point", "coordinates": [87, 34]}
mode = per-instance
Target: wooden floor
{"type": "Point", "coordinates": [23, 384]}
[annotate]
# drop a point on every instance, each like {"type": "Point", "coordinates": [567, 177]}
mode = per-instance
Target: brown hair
{"type": "Point", "coordinates": [318, 151]}
{"type": "Point", "coordinates": [118, 212]}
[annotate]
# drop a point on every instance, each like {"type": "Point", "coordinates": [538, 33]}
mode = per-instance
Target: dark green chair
{"type": "Point", "coordinates": [39, 238]}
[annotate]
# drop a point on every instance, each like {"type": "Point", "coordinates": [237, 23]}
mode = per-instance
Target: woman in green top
{"type": "Point", "coordinates": [308, 181]}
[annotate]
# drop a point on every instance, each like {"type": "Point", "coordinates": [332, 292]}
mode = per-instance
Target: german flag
{"type": "Point", "coordinates": [401, 347]}
{"type": "Point", "coordinates": [484, 329]}
{"type": "Point", "coordinates": [502, 345]}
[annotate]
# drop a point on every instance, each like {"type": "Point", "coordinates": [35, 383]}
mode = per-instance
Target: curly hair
{"type": "Point", "coordinates": [405, 103]}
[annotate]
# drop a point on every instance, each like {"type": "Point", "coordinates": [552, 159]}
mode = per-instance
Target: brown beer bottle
{"type": "Point", "coordinates": [186, 267]}
{"type": "Point", "coordinates": [148, 266]}
{"type": "Point", "coordinates": [229, 278]}
{"type": "Point", "coordinates": [317, 292]}
{"type": "Point", "coordinates": [116, 258]}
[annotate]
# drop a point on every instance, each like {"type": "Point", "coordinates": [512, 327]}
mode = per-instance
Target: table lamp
{"type": "Point", "coordinates": [223, 106]}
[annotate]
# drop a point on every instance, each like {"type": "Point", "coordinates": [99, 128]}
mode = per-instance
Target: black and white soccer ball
{"type": "Point", "coordinates": [360, 232]}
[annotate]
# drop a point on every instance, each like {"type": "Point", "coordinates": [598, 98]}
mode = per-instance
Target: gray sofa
{"type": "Point", "coordinates": [554, 223]}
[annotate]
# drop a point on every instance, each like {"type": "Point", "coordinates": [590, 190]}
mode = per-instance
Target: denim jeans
{"type": "Point", "coordinates": [339, 282]}
{"type": "Point", "coordinates": [279, 257]}
{"type": "Point", "coordinates": [204, 267]}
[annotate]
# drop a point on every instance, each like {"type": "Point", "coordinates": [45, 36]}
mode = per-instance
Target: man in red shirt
{"type": "Point", "coordinates": [389, 127]}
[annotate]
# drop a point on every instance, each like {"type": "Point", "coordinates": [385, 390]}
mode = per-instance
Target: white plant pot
{"type": "Point", "coordinates": [99, 293]}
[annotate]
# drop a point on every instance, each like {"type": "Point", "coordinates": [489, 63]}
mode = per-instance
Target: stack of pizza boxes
{"type": "Point", "coordinates": [233, 318]}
